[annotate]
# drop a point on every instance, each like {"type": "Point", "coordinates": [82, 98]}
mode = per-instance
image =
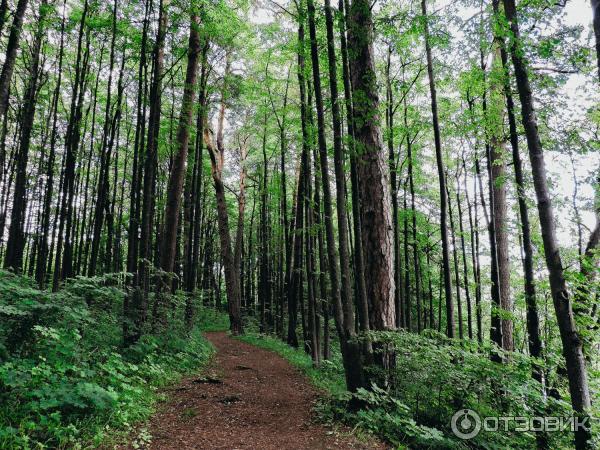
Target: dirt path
{"type": "Point", "coordinates": [249, 399]}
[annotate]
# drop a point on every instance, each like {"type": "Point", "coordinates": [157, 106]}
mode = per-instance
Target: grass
{"type": "Point", "coordinates": [210, 320]}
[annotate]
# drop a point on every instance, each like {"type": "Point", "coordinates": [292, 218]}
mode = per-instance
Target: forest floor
{"type": "Point", "coordinates": [248, 398]}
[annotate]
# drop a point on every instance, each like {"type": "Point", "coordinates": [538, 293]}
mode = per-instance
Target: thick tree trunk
{"type": "Point", "coordinates": [373, 170]}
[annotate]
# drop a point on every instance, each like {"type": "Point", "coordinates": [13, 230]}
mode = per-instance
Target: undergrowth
{"type": "Point", "coordinates": [65, 379]}
{"type": "Point", "coordinates": [433, 378]}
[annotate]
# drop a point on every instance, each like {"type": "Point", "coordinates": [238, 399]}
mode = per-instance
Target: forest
{"type": "Point", "coordinates": [379, 218]}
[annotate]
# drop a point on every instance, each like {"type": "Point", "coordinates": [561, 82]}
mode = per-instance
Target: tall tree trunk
{"type": "Point", "coordinates": [16, 236]}
{"type": "Point", "coordinates": [63, 245]}
{"type": "Point", "coordinates": [342, 298]}
{"type": "Point", "coordinates": [178, 169]}
{"type": "Point", "coordinates": [359, 265]}
{"type": "Point", "coordinates": [373, 171]}
{"type": "Point", "coordinates": [442, 180]}
{"type": "Point", "coordinates": [497, 174]}
{"type": "Point", "coordinates": [264, 285]}
{"type": "Point", "coordinates": [536, 347]}
{"type": "Point", "coordinates": [217, 153]}
{"type": "Point", "coordinates": [11, 55]}
{"type": "Point", "coordinates": [571, 341]}
{"type": "Point", "coordinates": [399, 300]}
{"type": "Point", "coordinates": [138, 307]}
{"type": "Point", "coordinates": [105, 154]}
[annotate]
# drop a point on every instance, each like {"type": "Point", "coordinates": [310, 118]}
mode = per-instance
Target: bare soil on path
{"type": "Point", "coordinates": [248, 398]}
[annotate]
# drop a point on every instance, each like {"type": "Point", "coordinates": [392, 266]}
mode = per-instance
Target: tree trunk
{"type": "Point", "coordinates": [11, 55]}
{"type": "Point", "coordinates": [571, 341]}
{"type": "Point", "coordinates": [373, 170]}
{"type": "Point", "coordinates": [442, 180]}
{"type": "Point", "coordinates": [217, 153]}
{"type": "Point", "coordinates": [16, 236]}
{"type": "Point", "coordinates": [178, 169]}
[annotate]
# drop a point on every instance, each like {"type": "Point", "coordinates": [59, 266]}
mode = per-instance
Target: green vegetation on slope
{"type": "Point", "coordinates": [433, 378]}
{"type": "Point", "coordinates": [65, 379]}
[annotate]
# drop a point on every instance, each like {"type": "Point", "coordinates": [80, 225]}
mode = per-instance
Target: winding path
{"type": "Point", "coordinates": [249, 398]}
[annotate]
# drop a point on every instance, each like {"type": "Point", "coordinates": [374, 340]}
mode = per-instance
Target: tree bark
{"type": "Point", "coordinates": [571, 341]}
{"type": "Point", "coordinates": [13, 258]}
{"type": "Point", "coordinates": [12, 47]}
{"type": "Point", "coordinates": [442, 180]}
{"type": "Point", "coordinates": [217, 154]}
{"type": "Point", "coordinates": [178, 169]}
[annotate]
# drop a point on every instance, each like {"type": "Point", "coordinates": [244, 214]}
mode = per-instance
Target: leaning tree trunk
{"type": "Point", "coordinates": [232, 276]}
{"type": "Point", "coordinates": [533, 321]}
{"type": "Point", "coordinates": [571, 341]}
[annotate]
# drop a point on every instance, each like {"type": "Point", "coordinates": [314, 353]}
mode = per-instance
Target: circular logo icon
{"type": "Point", "coordinates": [466, 424]}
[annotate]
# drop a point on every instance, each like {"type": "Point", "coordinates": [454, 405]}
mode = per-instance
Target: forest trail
{"type": "Point", "coordinates": [248, 398]}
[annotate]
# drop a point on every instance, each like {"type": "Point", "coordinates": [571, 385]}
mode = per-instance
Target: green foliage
{"type": "Point", "coordinates": [65, 380]}
{"type": "Point", "coordinates": [433, 378]}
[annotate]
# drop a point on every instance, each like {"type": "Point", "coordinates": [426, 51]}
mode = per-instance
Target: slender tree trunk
{"type": "Point", "coordinates": [342, 303]}
{"type": "Point", "coordinates": [359, 265]}
{"type": "Point", "coordinates": [464, 259]}
{"type": "Point", "coordinates": [459, 311]}
{"type": "Point", "coordinates": [63, 245]}
{"type": "Point", "coordinates": [497, 174]}
{"type": "Point", "coordinates": [11, 55]}
{"type": "Point", "coordinates": [536, 347]}
{"type": "Point", "coordinates": [178, 169]}
{"type": "Point", "coordinates": [571, 341]}
{"type": "Point", "coordinates": [217, 153]}
{"type": "Point", "coordinates": [16, 236]}
{"type": "Point", "coordinates": [442, 180]}
{"type": "Point", "coordinates": [138, 307]}
{"type": "Point", "coordinates": [399, 299]}
{"type": "Point", "coordinates": [105, 154]}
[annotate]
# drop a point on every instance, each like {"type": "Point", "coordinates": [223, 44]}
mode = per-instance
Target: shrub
{"type": "Point", "coordinates": [65, 379]}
